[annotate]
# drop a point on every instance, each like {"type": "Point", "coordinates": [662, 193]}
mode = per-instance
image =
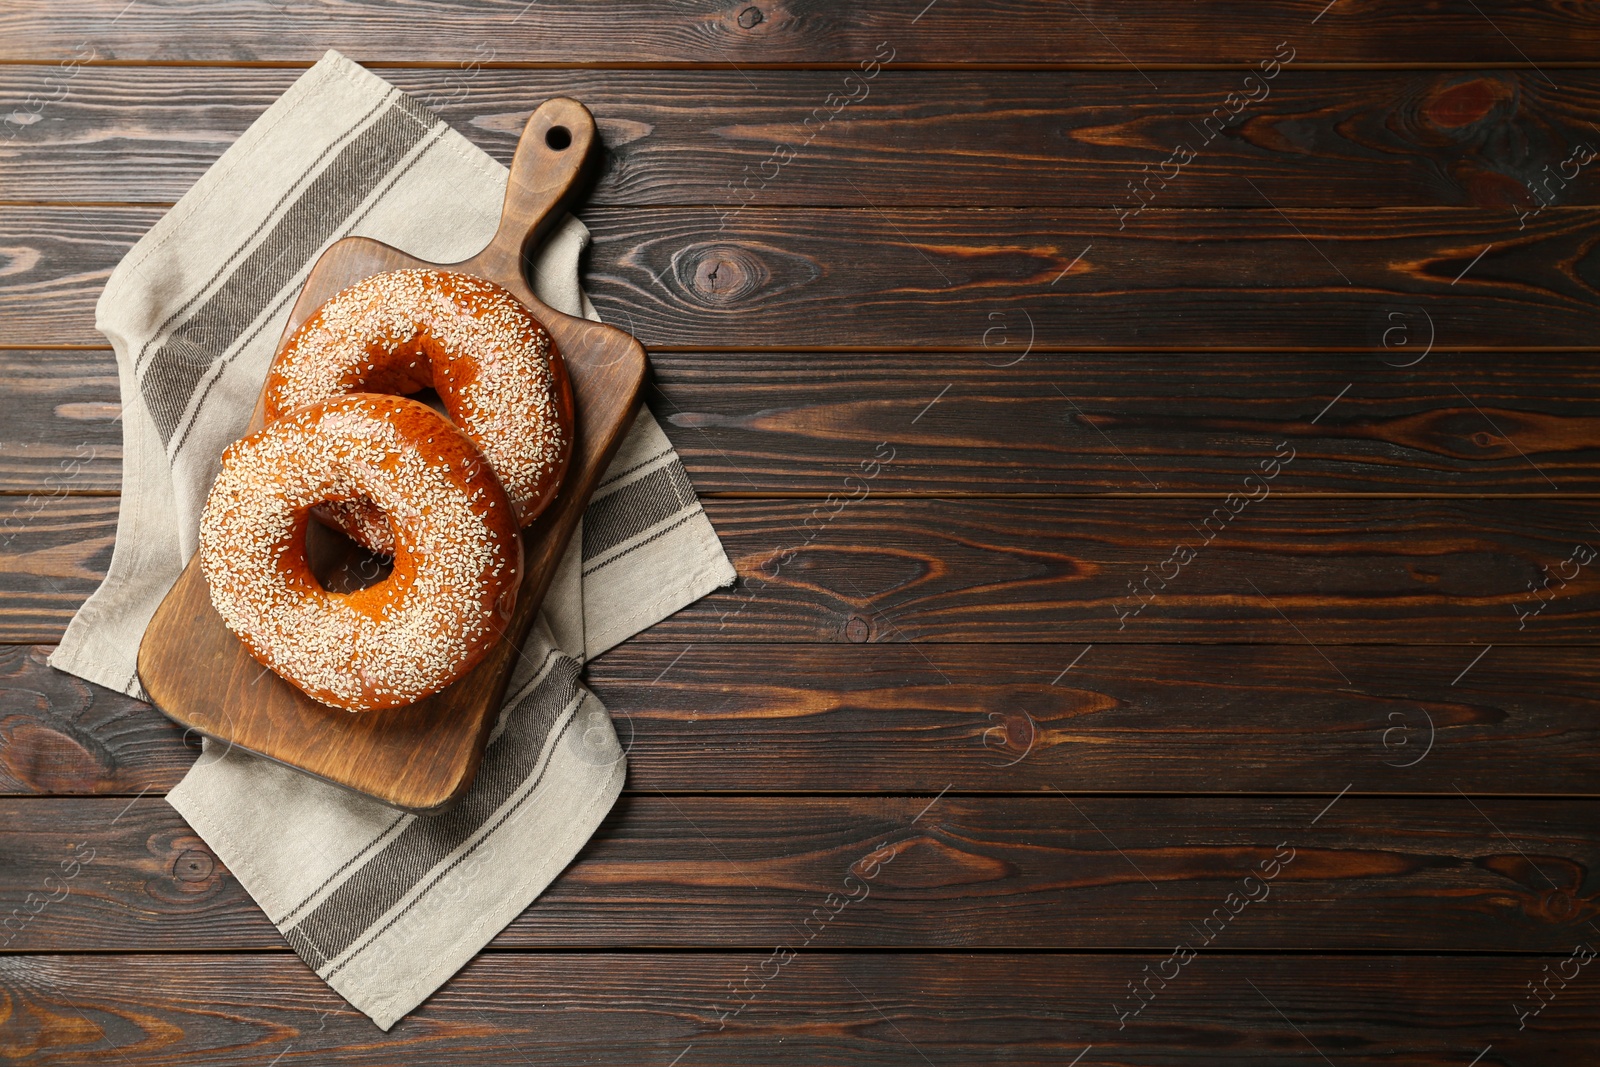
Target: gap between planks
{"type": "Point", "coordinates": [728, 65]}
{"type": "Point", "coordinates": [940, 494]}
{"type": "Point", "coordinates": [586, 949]}
{"type": "Point", "coordinates": [904, 349]}
{"type": "Point", "coordinates": [1047, 792]}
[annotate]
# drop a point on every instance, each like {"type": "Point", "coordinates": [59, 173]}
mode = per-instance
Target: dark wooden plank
{"type": "Point", "coordinates": [54, 550]}
{"type": "Point", "coordinates": [957, 32]}
{"type": "Point", "coordinates": [61, 433]}
{"type": "Point", "coordinates": [1085, 423]}
{"type": "Point", "coordinates": [1052, 423]}
{"type": "Point", "coordinates": [892, 1010]}
{"type": "Point", "coordinates": [1185, 718]}
{"type": "Point", "coordinates": [1183, 279]}
{"type": "Point", "coordinates": [53, 264]}
{"type": "Point", "coordinates": [1085, 873]}
{"type": "Point", "coordinates": [1314, 138]}
{"type": "Point", "coordinates": [910, 278]}
{"type": "Point", "coordinates": [60, 734]}
{"type": "Point", "coordinates": [890, 718]}
{"type": "Point", "coordinates": [1292, 571]}
{"type": "Point", "coordinates": [1361, 570]}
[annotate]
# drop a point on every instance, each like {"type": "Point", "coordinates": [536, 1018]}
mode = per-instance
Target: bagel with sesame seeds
{"type": "Point", "coordinates": [454, 536]}
{"type": "Point", "coordinates": [493, 365]}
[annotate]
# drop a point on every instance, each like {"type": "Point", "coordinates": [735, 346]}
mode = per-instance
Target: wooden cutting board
{"type": "Point", "coordinates": [423, 757]}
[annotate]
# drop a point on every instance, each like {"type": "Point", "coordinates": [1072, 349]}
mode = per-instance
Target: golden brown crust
{"type": "Point", "coordinates": [457, 551]}
{"type": "Point", "coordinates": [493, 365]}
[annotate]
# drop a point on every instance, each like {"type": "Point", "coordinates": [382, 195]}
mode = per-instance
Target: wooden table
{"type": "Point", "coordinates": [1331, 750]}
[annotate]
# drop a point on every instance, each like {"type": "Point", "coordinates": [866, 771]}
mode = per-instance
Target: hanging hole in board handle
{"type": "Point", "coordinates": [559, 138]}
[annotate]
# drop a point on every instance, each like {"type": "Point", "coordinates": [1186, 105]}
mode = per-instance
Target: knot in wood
{"type": "Point", "coordinates": [1452, 104]}
{"type": "Point", "coordinates": [193, 866]}
{"type": "Point", "coordinates": [750, 18]}
{"type": "Point", "coordinates": [721, 275]}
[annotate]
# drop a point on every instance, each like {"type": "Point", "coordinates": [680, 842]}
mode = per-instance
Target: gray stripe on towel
{"type": "Point", "coordinates": [326, 202]}
{"type": "Point", "coordinates": [635, 508]}
{"type": "Point", "coordinates": [335, 924]}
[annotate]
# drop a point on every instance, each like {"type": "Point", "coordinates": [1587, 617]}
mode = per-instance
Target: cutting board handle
{"type": "Point", "coordinates": [545, 175]}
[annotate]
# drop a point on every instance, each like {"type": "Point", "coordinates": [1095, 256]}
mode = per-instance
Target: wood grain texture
{"type": "Point", "coordinates": [748, 422]}
{"type": "Point", "coordinates": [899, 278]}
{"type": "Point", "coordinates": [56, 548]}
{"type": "Point", "coordinates": [54, 262]}
{"type": "Point", "coordinates": [876, 1010]}
{"type": "Point", "coordinates": [62, 735]}
{"type": "Point", "coordinates": [1184, 279]}
{"type": "Point", "coordinates": [62, 431]}
{"type": "Point", "coordinates": [1315, 138]}
{"type": "Point", "coordinates": [1415, 571]}
{"type": "Point", "coordinates": [1460, 572]}
{"type": "Point", "coordinates": [956, 32]}
{"type": "Point", "coordinates": [998, 718]}
{"type": "Point", "coordinates": [1048, 872]}
{"type": "Point", "coordinates": [1052, 423]}
{"type": "Point", "coordinates": [1184, 718]}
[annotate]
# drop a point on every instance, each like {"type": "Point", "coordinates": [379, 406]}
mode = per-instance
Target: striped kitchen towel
{"type": "Point", "coordinates": [384, 906]}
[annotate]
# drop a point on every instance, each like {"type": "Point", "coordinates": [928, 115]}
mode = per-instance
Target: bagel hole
{"type": "Point", "coordinates": [339, 564]}
{"type": "Point", "coordinates": [430, 397]}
